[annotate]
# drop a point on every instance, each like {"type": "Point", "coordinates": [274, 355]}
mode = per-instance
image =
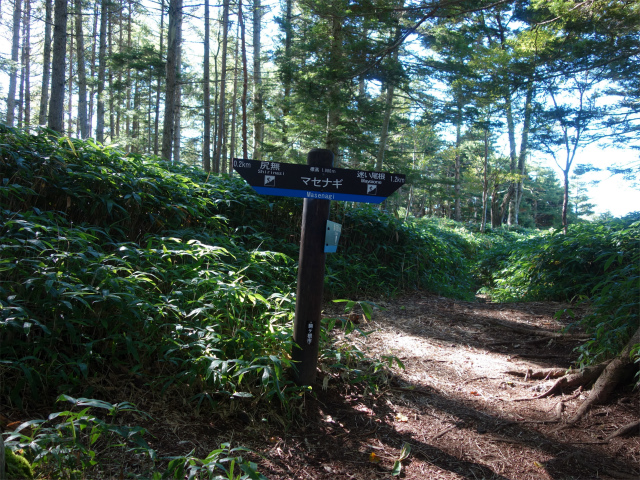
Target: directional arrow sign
{"type": "Point", "coordinates": [323, 183]}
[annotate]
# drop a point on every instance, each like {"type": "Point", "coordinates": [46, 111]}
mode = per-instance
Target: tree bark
{"type": "Point", "coordinates": [234, 97]}
{"type": "Point", "coordinates": [608, 379]}
{"type": "Point", "coordinates": [245, 83]}
{"type": "Point", "coordinates": [70, 84]}
{"type": "Point", "coordinates": [177, 114]}
{"type": "Point", "coordinates": [56, 102]}
{"type": "Point", "coordinates": [458, 164]}
{"type": "Point", "coordinates": [485, 181]}
{"type": "Point", "coordinates": [13, 75]}
{"type": "Point", "coordinates": [287, 70]}
{"type": "Point", "coordinates": [384, 131]}
{"type": "Point", "coordinates": [258, 114]}
{"type": "Point", "coordinates": [173, 69]}
{"type": "Point", "coordinates": [223, 79]}
{"type": "Point", "coordinates": [92, 69]}
{"type": "Point", "coordinates": [206, 142]}
{"type": "Point", "coordinates": [156, 134]}
{"type": "Point", "coordinates": [82, 74]}
{"type": "Point", "coordinates": [46, 64]}
{"type": "Point", "coordinates": [333, 115]}
{"type": "Point", "coordinates": [26, 65]}
{"type": "Point", "coordinates": [102, 62]}
{"type": "Point", "coordinates": [524, 147]}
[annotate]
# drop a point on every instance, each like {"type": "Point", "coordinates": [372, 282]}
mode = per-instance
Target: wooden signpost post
{"type": "Point", "coordinates": [318, 183]}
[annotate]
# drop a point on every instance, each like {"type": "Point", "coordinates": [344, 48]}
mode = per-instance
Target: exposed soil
{"type": "Point", "coordinates": [454, 404]}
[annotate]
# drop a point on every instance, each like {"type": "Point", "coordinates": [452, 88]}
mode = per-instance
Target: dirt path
{"type": "Point", "coordinates": [453, 405]}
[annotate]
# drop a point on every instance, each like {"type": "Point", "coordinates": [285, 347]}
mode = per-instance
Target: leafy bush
{"type": "Point", "coordinates": [597, 263]}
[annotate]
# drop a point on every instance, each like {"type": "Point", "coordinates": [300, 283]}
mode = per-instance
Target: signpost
{"type": "Point", "coordinates": [318, 183]}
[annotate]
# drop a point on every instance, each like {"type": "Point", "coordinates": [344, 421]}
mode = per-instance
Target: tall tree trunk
{"type": "Point", "coordinates": [388, 108]}
{"type": "Point", "coordinates": [258, 115]}
{"type": "Point", "coordinates": [508, 196]}
{"type": "Point", "coordinates": [156, 134]}
{"type": "Point", "coordinates": [56, 103]}
{"type": "Point", "coordinates": [485, 181]}
{"type": "Point", "coordinates": [82, 74]}
{"type": "Point", "coordinates": [206, 142]}
{"type": "Point", "coordinates": [524, 148]}
{"type": "Point", "coordinates": [25, 83]}
{"type": "Point", "coordinates": [46, 63]}
{"type": "Point", "coordinates": [92, 69]}
{"type": "Point", "coordinates": [245, 82]}
{"type": "Point", "coordinates": [458, 164]}
{"type": "Point", "coordinates": [287, 69]}
{"type": "Point", "coordinates": [70, 84]}
{"type": "Point", "coordinates": [129, 111]}
{"type": "Point", "coordinates": [15, 51]}
{"type": "Point", "coordinates": [113, 131]}
{"type": "Point", "coordinates": [223, 79]}
{"type": "Point", "coordinates": [173, 68]}
{"type": "Point", "coordinates": [333, 115]}
{"type": "Point", "coordinates": [102, 64]}
{"type": "Point", "coordinates": [178, 103]}
{"type": "Point", "coordinates": [234, 97]}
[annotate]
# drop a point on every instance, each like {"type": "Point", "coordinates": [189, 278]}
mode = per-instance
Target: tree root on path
{"type": "Point", "coordinates": [573, 380]}
{"type": "Point", "coordinates": [545, 373]}
{"type": "Point", "coordinates": [630, 428]}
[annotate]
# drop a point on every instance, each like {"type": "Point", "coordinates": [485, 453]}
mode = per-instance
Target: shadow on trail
{"type": "Point", "coordinates": [368, 424]}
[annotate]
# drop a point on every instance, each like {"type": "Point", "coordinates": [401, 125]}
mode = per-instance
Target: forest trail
{"type": "Point", "coordinates": [455, 404]}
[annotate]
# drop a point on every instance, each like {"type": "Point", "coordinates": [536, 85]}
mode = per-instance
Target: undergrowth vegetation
{"type": "Point", "coordinates": [597, 264]}
{"type": "Point", "coordinates": [123, 265]}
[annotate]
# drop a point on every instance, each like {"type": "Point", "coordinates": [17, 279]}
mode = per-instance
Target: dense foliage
{"type": "Point", "coordinates": [114, 264]}
{"type": "Point", "coordinates": [597, 263]}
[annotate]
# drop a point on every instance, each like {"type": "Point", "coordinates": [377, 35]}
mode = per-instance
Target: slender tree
{"type": "Point", "coordinates": [82, 73]}
{"type": "Point", "coordinates": [206, 143]}
{"type": "Point", "coordinates": [223, 79]}
{"type": "Point", "coordinates": [56, 102]}
{"type": "Point", "coordinates": [46, 63]}
{"type": "Point", "coordinates": [156, 135]}
{"type": "Point", "coordinates": [15, 51]}
{"type": "Point", "coordinates": [258, 114]}
{"type": "Point", "coordinates": [102, 65]}
{"type": "Point", "coordinates": [172, 73]}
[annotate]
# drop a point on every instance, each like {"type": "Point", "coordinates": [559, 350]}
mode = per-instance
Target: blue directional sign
{"type": "Point", "coordinates": [324, 183]}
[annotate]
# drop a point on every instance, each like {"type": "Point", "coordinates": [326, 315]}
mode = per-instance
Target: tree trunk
{"type": "Point", "coordinates": [234, 97]}
{"type": "Point", "coordinates": [608, 379]}
{"type": "Point", "coordinates": [458, 164]}
{"type": "Point", "coordinates": [388, 108]}
{"type": "Point", "coordinates": [70, 84]}
{"type": "Point", "coordinates": [92, 69]}
{"type": "Point", "coordinates": [113, 131]}
{"type": "Point", "coordinates": [177, 114]}
{"type": "Point", "coordinates": [102, 62]}
{"type": "Point", "coordinates": [82, 74]}
{"type": "Point", "coordinates": [56, 103]}
{"type": "Point", "coordinates": [258, 115]}
{"type": "Point", "coordinates": [333, 115]}
{"type": "Point", "coordinates": [173, 69]}
{"type": "Point", "coordinates": [287, 70]}
{"type": "Point", "coordinates": [485, 181]}
{"type": "Point", "coordinates": [156, 134]}
{"type": "Point", "coordinates": [26, 64]}
{"type": "Point", "coordinates": [13, 75]}
{"type": "Point", "coordinates": [223, 79]}
{"type": "Point", "coordinates": [524, 148]}
{"type": "Point", "coordinates": [206, 142]}
{"type": "Point", "coordinates": [46, 64]}
{"type": "Point", "coordinates": [245, 83]}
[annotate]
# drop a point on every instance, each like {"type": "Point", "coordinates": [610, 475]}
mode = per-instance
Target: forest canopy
{"type": "Point", "coordinates": [459, 95]}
